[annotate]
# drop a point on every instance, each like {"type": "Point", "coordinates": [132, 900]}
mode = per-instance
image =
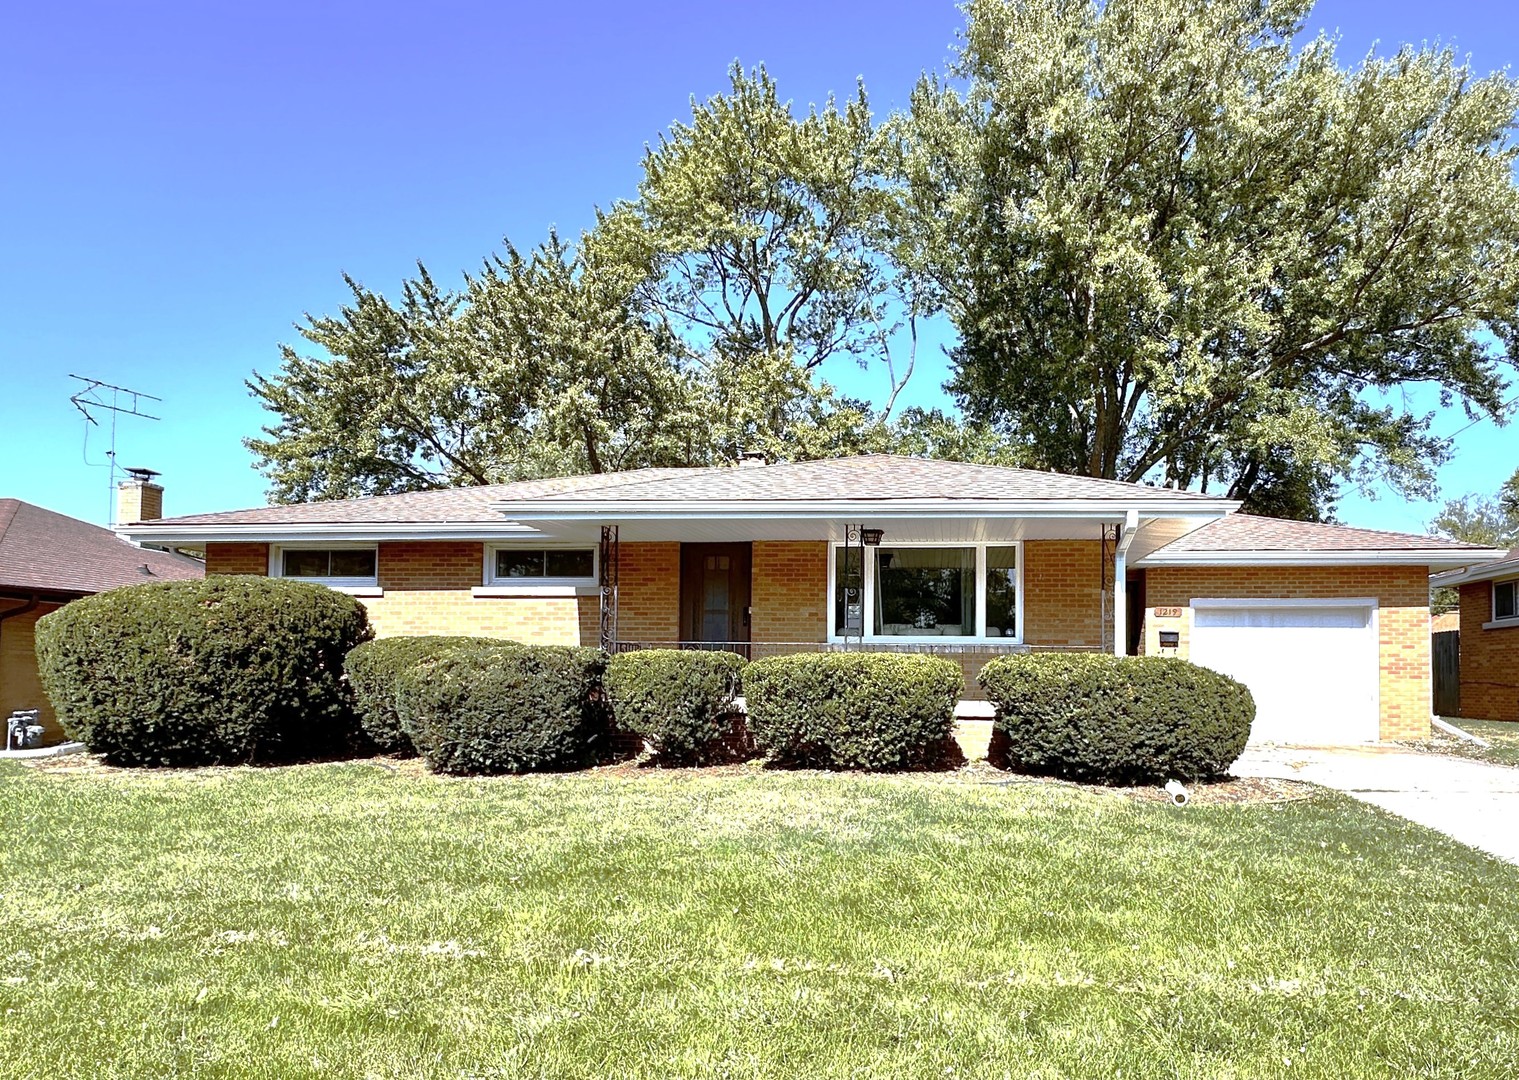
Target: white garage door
{"type": "Point", "coordinates": [1312, 669]}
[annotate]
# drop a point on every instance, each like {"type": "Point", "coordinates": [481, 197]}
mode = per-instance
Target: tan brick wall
{"type": "Point", "coordinates": [1489, 659]}
{"type": "Point", "coordinates": [790, 593]}
{"type": "Point", "coordinates": [1402, 594]}
{"type": "Point", "coordinates": [1063, 594]}
{"type": "Point", "coordinates": [237, 559]}
{"type": "Point", "coordinates": [427, 591]}
{"type": "Point", "coordinates": [20, 687]}
{"type": "Point", "coordinates": [648, 592]}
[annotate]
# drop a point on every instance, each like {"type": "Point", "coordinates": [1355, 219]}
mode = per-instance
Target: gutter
{"type": "Point", "coordinates": [266, 533]}
{"type": "Point", "coordinates": [800, 509]}
{"type": "Point", "coordinates": [1381, 556]}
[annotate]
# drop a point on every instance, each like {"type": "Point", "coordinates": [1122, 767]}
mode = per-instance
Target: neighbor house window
{"type": "Point", "coordinates": [966, 591]}
{"type": "Point", "coordinates": [352, 567]}
{"type": "Point", "coordinates": [576, 566]}
{"type": "Point", "coordinates": [1505, 599]}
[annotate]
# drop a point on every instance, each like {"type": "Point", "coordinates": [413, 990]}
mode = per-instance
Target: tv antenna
{"type": "Point", "coordinates": [97, 397]}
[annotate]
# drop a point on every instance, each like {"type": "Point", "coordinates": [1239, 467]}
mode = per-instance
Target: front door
{"type": "Point", "coordinates": [714, 592]}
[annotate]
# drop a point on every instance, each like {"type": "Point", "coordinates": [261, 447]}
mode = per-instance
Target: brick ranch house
{"type": "Point", "coordinates": [1489, 625]}
{"type": "Point", "coordinates": [47, 560]}
{"type": "Point", "coordinates": [1328, 625]}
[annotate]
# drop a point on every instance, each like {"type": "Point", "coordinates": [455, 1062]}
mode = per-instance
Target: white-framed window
{"type": "Point", "coordinates": [957, 592]}
{"type": "Point", "coordinates": [541, 564]}
{"type": "Point", "coordinates": [1506, 600]}
{"type": "Point", "coordinates": [341, 566]}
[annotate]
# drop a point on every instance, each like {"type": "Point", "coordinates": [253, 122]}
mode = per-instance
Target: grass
{"type": "Point", "coordinates": [1502, 735]}
{"type": "Point", "coordinates": [363, 920]}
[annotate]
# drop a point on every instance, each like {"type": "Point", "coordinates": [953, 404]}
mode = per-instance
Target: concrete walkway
{"type": "Point", "coordinates": [1472, 801]}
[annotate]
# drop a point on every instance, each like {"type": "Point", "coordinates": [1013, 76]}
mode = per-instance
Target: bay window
{"type": "Point", "coordinates": [962, 591]}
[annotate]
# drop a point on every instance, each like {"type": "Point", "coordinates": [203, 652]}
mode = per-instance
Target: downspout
{"type": "Point", "coordinates": [1126, 533]}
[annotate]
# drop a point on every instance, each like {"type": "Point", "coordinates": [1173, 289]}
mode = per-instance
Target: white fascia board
{"type": "Point", "coordinates": [1368, 557]}
{"type": "Point", "coordinates": [1478, 572]}
{"type": "Point", "coordinates": [296, 533]}
{"type": "Point", "coordinates": [839, 509]}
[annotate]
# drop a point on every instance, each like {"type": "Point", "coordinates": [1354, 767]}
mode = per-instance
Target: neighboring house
{"type": "Point", "coordinates": [46, 560]}
{"type": "Point", "coordinates": [1489, 637]}
{"type": "Point", "coordinates": [1328, 625]}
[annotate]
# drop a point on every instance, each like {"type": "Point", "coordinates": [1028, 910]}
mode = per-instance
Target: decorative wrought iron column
{"type": "Point", "coordinates": [610, 559]}
{"type": "Point", "coordinates": [852, 584]}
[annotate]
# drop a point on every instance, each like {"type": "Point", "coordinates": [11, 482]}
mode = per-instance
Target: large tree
{"type": "Point", "coordinates": [1177, 247]}
{"type": "Point", "coordinates": [688, 325]}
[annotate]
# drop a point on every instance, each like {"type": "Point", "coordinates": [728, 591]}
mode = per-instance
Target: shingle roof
{"type": "Point", "coordinates": [462, 504]}
{"type": "Point", "coordinates": [875, 477]}
{"type": "Point", "coordinates": [1245, 532]}
{"type": "Point", "coordinates": [41, 551]}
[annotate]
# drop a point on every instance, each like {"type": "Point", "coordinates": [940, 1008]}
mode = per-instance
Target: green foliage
{"type": "Point", "coordinates": [373, 669]}
{"type": "Point", "coordinates": [1118, 719]}
{"type": "Point", "coordinates": [228, 669]}
{"type": "Point", "coordinates": [1177, 246]}
{"type": "Point", "coordinates": [680, 700]}
{"type": "Point", "coordinates": [504, 709]}
{"type": "Point", "coordinates": [1492, 522]}
{"type": "Point", "coordinates": [852, 710]}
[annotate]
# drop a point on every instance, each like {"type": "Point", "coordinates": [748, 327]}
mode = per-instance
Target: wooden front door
{"type": "Point", "coordinates": [714, 592]}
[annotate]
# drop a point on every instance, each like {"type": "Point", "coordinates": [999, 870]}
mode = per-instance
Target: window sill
{"type": "Point", "coordinates": [1501, 624]}
{"type": "Point", "coordinates": [532, 591]}
{"type": "Point", "coordinates": [363, 592]}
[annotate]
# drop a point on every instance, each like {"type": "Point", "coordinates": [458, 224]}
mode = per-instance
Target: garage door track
{"type": "Point", "coordinates": [1474, 802]}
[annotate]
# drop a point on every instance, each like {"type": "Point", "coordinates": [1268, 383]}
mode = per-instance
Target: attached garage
{"type": "Point", "coordinates": [1312, 664]}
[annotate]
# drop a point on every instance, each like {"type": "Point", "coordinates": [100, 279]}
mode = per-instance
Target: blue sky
{"type": "Point", "coordinates": [181, 181]}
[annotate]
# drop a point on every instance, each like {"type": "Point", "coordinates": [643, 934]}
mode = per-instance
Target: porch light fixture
{"type": "Point", "coordinates": [871, 537]}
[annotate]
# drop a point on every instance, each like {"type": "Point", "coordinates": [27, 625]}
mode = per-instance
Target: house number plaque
{"type": "Point", "coordinates": [1168, 613]}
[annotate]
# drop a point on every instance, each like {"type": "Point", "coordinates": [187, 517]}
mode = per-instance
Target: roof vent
{"type": "Point", "coordinates": [750, 459]}
{"type": "Point", "coordinates": [146, 571]}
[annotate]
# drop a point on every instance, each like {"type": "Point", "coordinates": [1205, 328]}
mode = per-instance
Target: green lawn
{"type": "Point", "coordinates": [1503, 737]}
{"type": "Point", "coordinates": [363, 920]}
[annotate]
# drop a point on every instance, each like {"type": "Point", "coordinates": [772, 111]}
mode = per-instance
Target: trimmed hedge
{"type": "Point", "coordinates": [678, 699]}
{"type": "Point", "coordinates": [852, 710]}
{"type": "Point", "coordinates": [373, 669]}
{"type": "Point", "coordinates": [1118, 720]}
{"type": "Point", "coordinates": [226, 669]}
{"type": "Point", "coordinates": [504, 708]}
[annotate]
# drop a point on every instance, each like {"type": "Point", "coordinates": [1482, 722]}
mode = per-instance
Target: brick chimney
{"type": "Point", "coordinates": [138, 498]}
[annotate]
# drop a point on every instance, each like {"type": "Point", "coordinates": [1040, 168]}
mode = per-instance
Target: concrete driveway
{"type": "Point", "coordinates": [1472, 801]}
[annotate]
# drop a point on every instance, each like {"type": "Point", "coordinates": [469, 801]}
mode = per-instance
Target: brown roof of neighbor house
{"type": "Point", "coordinates": [1504, 567]}
{"type": "Point", "coordinates": [1444, 622]}
{"type": "Point", "coordinates": [1246, 532]}
{"type": "Point", "coordinates": [42, 551]}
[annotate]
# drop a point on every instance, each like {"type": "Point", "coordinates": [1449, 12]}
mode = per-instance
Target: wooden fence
{"type": "Point", "coordinates": [1446, 649]}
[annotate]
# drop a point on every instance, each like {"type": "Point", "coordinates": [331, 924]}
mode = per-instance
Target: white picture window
{"type": "Point", "coordinates": [1505, 600]}
{"type": "Point", "coordinates": [541, 566]}
{"type": "Point", "coordinates": [969, 592]}
{"type": "Point", "coordinates": [341, 567]}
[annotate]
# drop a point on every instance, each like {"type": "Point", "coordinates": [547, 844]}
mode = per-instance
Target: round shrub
{"type": "Point", "coordinates": [680, 700]}
{"type": "Point", "coordinates": [372, 670]}
{"type": "Point", "coordinates": [227, 669]}
{"type": "Point", "coordinates": [1118, 719]}
{"type": "Point", "coordinates": [504, 708]}
{"type": "Point", "coordinates": [852, 710]}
